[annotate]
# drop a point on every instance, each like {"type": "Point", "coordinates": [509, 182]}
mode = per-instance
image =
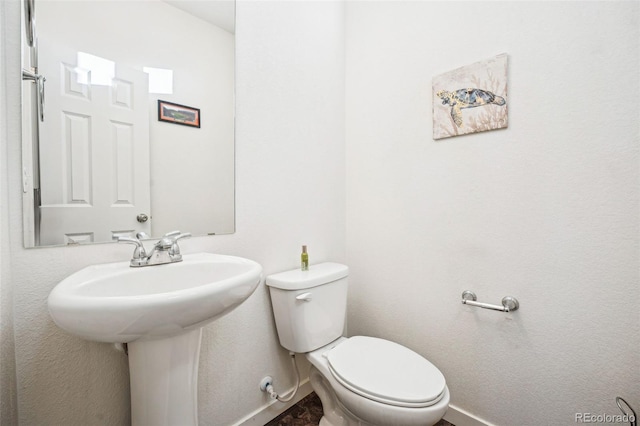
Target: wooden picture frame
{"type": "Point", "coordinates": [178, 114]}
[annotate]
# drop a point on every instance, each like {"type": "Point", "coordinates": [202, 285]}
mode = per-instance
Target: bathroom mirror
{"type": "Point", "coordinates": [138, 129]}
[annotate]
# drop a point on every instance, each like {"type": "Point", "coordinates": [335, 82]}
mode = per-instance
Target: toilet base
{"type": "Point", "coordinates": [336, 414]}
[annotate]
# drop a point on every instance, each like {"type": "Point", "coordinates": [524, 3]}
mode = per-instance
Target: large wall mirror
{"type": "Point", "coordinates": [128, 119]}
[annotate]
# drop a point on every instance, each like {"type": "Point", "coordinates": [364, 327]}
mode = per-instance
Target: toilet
{"type": "Point", "coordinates": [360, 380]}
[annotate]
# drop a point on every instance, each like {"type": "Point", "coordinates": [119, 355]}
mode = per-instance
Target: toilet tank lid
{"type": "Point", "coordinates": [297, 279]}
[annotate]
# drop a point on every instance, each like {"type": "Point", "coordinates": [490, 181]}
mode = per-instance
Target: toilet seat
{"type": "Point", "coordinates": [386, 372]}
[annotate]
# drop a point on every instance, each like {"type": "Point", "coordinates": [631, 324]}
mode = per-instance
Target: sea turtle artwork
{"type": "Point", "coordinates": [471, 99]}
{"type": "Point", "coordinates": [468, 98]}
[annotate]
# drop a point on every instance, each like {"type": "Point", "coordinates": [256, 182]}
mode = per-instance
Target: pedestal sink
{"type": "Point", "coordinates": [159, 311]}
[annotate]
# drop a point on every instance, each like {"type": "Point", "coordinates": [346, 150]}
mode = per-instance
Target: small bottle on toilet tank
{"type": "Point", "coordinates": [304, 259]}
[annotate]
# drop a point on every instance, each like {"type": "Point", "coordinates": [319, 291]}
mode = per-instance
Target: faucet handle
{"type": "Point", "coordinates": [175, 248]}
{"type": "Point", "coordinates": [167, 240]}
{"type": "Point", "coordinates": [174, 236]}
{"type": "Point", "coordinates": [171, 234]}
{"type": "Point", "coordinates": [139, 253]}
{"type": "Point", "coordinates": [182, 235]}
{"type": "Point", "coordinates": [130, 240]}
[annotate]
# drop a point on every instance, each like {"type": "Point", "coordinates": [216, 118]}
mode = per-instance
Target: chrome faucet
{"type": "Point", "coordinates": [166, 250]}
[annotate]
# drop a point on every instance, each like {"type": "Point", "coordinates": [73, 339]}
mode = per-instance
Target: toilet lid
{"type": "Point", "coordinates": [386, 372]}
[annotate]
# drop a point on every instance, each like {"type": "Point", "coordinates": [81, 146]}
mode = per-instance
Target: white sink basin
{"type": "Point", "coordinates": [116, 303]}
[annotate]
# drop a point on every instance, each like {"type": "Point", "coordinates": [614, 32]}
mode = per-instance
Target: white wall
{"type": "Point", "coordinates": [546, 211]}
{"type": "Point", "coordinates": [290, 172]}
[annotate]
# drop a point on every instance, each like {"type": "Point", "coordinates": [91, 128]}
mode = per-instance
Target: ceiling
{"type": "Point", "coordinates": [218, 12]}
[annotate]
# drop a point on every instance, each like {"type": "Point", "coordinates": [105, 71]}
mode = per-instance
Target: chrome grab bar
{"type": "Point", "coordinates": [508, 303]}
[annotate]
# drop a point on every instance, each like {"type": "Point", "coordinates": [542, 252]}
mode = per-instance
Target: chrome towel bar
{"type": "Point", "coordinates": [508, 303]}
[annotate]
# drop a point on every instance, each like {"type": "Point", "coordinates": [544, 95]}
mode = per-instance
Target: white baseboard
{"type": "Point", "coordinates": [459, 417]}
{"type": "Point", "coordinates": [273, 409]}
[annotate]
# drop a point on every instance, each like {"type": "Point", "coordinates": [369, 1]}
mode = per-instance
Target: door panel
{"type": "Point", "coordinates": [94, 152]}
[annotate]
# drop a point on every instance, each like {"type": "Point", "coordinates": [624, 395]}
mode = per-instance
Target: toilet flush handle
{"type": "Point", "coordinates": [305, 297]}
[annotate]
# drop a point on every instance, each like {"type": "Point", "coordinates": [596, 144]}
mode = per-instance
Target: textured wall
{"type": "Point", "coordinates": [289, 191]}
{"type": "Point", "coordinates": [546, 211]}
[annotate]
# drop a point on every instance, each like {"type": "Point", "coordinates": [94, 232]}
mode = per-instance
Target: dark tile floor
{"type": "Point", "coordinates": [308, 412]}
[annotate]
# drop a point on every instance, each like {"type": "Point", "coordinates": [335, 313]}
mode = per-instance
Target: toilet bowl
{"type": "Point", "coordinates": [360, 380]}
{"type": "Point", "coordinates": [384, 395]}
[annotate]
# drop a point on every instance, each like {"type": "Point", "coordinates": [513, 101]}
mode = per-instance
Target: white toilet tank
{"type": "Point", "coordinates": [309, 306]}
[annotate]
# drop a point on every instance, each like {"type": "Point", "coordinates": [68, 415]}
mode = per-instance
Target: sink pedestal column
{"type": "Point", "coordinates": [164, 380]}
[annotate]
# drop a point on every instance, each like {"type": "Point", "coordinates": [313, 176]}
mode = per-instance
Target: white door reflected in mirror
{"type": "Point", "coordinates": [184, 54]}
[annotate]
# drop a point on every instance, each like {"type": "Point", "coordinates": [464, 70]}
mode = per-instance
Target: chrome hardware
{"type": "Point", "coordinates": [166, 250]}
{"type": "Point", "coordinates": [38, 80]}
{"type": "Point", "coordinates": [139, 257]}
{"type": "Point", "coordinates": [30, 21]}
{"type": "Point", "coordinates": [142, 218]}
{"type": "Point", "coordinates": [304, 297]}
{"type": "Point", "coordinates": [508, 303]}
{"type": "Point", "coordinates": [29, 75]}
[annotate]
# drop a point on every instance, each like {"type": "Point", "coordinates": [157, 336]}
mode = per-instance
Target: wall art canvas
{"type": "Point", "coordinates": [471, 99]}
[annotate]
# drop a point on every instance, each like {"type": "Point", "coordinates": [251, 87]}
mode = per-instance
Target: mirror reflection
{"type": "Point", "coordinates": [138, 127]}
